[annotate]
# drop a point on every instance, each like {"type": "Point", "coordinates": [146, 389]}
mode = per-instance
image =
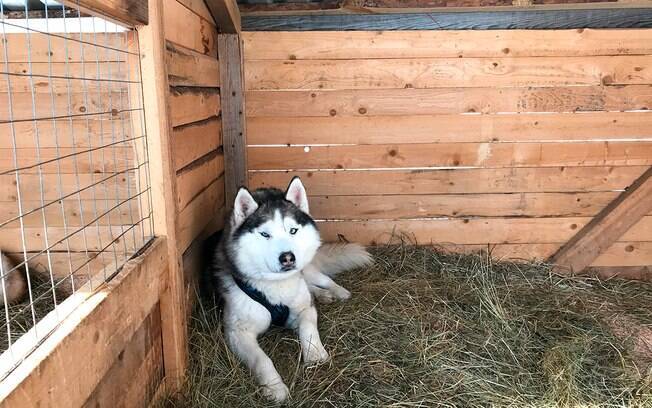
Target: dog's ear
{"type": "Point", "coordinates": [296, 194]}
{"type": "Point", "coordinates": [244, 206]}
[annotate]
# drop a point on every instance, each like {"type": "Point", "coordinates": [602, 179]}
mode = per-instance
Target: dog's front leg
{"type": "Point", "coordinates": [311, 347]}
{"type": "Point", "coordinates": [245, 345]}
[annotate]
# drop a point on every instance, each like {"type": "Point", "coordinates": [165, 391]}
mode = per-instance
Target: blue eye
{"type": "Point", "coordinates": [293, 231]}
{"type": "Point", "coordinates": [264, 234]}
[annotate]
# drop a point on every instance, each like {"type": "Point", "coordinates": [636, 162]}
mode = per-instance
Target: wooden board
{"type": "Point", "coordinates": [146, 343]}
{"type": "Point", "coordinates": [63, 358]}
{"type": "Point", "coordinates": [66, 133]}
{"type": "Point", "coordinates": [198, 7]}
{"type": "Point", "coordinates": [449, 128]}
{"type": "Point", "coordinates": [49, 160]}
{"type": "Point", "coordinates": [347, 45]}
{"type": "Point", "coordinates": [374, 102]}
{"type": "Point", "coordinates": [227, 15]}
{"type": "Point", "coordinates": [459, 205]}
{"type": "Point", "coordinates": [52, 187]}
{"type": "Point", "coordinates": [190, 68]}
{"type": "Point", "coordinates": [451, 155]}
{"type": "Point", "coordinates": [477, 231]}
{"type": "Point", "coordinates": [130, 12]}
{"type": "Point", "coordinates": [89, 71]}
{"type": "Point", "coordinates": [192, 141]}
{"type": "Point", "coordinates": [195, 178]}
{"type": "Point", "coordinates": [234, 131]}
{"type": "Point", "coordinates": [625, 254]}
{"type": "Point", "coordinates": [45, 87]}
{"type": "Point", "coordinates": [472, 20]}
{"type": "Point", "coordinates": [447, 72]}
{"type": "Point", "coordinates": [199, 213]}
{"type": "Point", "coordinates": [189, 104]}
{"type": "Point", "coordinates": [184, 27]}
{"type": "Point", "coordinates": [94, 239]}
{"type": "Point", "coordinates": [462, 181]}
{"type": "Point", "coordinates": [71, 214]}
{"type": "Point", "coordinates": [61, 48]}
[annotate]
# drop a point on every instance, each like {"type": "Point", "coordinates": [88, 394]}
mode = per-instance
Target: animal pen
{"type": "Point", "coordinates": [522, 129]}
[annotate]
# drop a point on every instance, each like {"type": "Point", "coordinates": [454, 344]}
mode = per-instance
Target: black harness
{"type": "Point", "coordinates": [279, 313]}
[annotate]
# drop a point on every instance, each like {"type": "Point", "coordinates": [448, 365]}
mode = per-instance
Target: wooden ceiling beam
{"type": "Point", "coordinates": [226, 15]}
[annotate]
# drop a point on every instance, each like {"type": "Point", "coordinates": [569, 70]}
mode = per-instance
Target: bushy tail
{"type": "Point", "coordinates": [332, 259]}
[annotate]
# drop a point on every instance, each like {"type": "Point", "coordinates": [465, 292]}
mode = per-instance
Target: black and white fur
{"type": "Point", "coordinates": [273, 245]}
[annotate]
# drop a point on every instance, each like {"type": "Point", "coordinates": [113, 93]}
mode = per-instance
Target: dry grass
{"type": "Point", "coordinates": [426, 329]}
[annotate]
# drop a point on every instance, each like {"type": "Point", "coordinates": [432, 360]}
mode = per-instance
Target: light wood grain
{"type": "Point", "coordinates": [195, 140]}
{"type": "Point", "coordinates": [449, 128]}
{"type": "Point", "coordinates": [62, 48]}
{"type": "Point", "coordinates": [463, 181]}
{"type": "Point", "coordinates": [130, 12]}
{"type": "Point", "coordinates": [184, 27]}
{"type": "Point", "coordinates": [195, 178]}
{"type": "Point", "coordinates": [188, 105]}
{"type": "Point", "coordinates": [373, 102]}
{"type": "Point", "coordinates": [191, 68]}
{"type": "Point", "coordinates": [444, 43]}
{"type": "Point", "coordinates": [200, 212]}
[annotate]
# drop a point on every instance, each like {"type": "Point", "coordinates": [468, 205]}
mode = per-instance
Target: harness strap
{"type": "Point", "coordinates": [279, 313]}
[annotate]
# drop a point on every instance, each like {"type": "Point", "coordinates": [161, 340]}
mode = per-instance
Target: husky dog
{"type": "Point", "coordinates": [269, 264]}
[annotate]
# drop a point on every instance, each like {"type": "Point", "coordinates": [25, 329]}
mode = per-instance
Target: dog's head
{"type": "Point", "coordinates": [272, 233]}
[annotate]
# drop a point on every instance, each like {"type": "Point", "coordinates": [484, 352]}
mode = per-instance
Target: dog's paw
{"type": "Point", "coordinates": [325, 297]}
{"type": "Point", "coordinates": [316, 355]}
{"type": "Point", "coordinates": [277, 392]}
{"type": "Point", "coordinates": [340, 293]}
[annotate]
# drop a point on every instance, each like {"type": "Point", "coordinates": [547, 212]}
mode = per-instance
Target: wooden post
{"type": "Point", "coordinates": [163, 184]}
{"type": "Point", "coordinates": [233, 117]}
{"type": "Point", "coordinates": [606, 227]}
{"type": "Point", "coordinates": [129, 12]}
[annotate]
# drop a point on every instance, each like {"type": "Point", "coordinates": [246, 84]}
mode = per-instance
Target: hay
{"type": "Point", "coordinates": [427, 329]}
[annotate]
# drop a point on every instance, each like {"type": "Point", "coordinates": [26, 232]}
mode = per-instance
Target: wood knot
{"type": "Point", "coordinates": [362, 111]}
{"type": "Point", "coordinates": [629, 248]}
{"type": "Point", "coordinates": [332, 112]}
{"type": "Point", "coordinates": [505, 50]}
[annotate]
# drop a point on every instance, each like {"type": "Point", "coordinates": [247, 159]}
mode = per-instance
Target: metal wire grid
{"type": "Point", "coordinates": [106, 74]}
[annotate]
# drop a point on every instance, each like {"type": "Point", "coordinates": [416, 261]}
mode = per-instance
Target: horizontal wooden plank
{"type": "Point", "coordinates": [447, 72]}
{"type": "Point", "coordinates": [449, 128]}
{"type": "Point", "coordinates": [129, 12]}
{"type": "Point", "coordinates": [109, 317]}
{"type": "Point", "coordinates": [199, 213]}
{"type": "Point", "coordinates": [76, 104]}
{"type": "Point", "coordinates": [190, 68]}
{"type": "Point", "coordinates": [195, 178]}
{"type": "Point", "coordinates": [187, 29]}
{"type": "Point", "coordinates": [45, 87]}
{"type": "Point", "coordinates": [37, 47]}
{"type": "Point", "coordinates": [52, 187]}
{"type": "Point", "coordinates": [90, 71]}
{"type": "Point", "coordinates": [66, 133]}
{"type": "Point", "coordinates": [462, 181]}
{"type": "Point", "coordinates": [106, 159]}
{"type": "Point", "coordinates": [195, 140]}
{"type": "Point", "coordinates": [188, 105]}
{"type": "Point", "coordinates": [459, 205]}
{"type": "Point", "coordinates": [441, 43]}
{"type": "Point", "coordinates": [91, 238]}
{"type": "Point", "coordinates": [451, 155]}
{"type": "Point", "coordinates": [375, 102]}
{"type": "Point", "coordinates": [478, 231]}
{"type": "Point", "coordinates": [626, 254]}
{"type": "Point", "coordinates": [472, 20]}
{"type": "Point", "coordinates": [69, 212]}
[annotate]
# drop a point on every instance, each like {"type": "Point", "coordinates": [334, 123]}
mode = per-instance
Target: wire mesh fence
{"type": "Point", "coordinates": [75, 199]}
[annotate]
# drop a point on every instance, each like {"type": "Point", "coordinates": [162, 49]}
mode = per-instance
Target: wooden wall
{"type": "Point", "coordinates": [194, 101]}
{"type": "Point", "coordinates": [90, 114]}
{"type": "Point", "coordinates": [466, 138]}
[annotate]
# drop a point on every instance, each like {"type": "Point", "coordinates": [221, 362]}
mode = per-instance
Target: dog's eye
{"type": "Point", "coordinates": [264, 234]}
{"type": "Point", "coordinates": [293, 231]}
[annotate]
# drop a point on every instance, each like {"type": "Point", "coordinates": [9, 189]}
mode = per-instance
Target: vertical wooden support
{"type": "Point", "coordinates": [233, 114]}
{"type": "Point", "coordinates": [163, 184]}
{"type": "Point", "coordinates": [606, 227]}
{"type": "Point", "coordinates": [226, 15]}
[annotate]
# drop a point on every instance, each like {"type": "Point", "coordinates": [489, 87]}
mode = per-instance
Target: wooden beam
{"type": "Point", "coordinates": [476, 20]}
{"type": "Point", "coordinates": [129, 12]}
{"type": "Point", "coordinates": [606, 227]}
{"type": "Point", "coordinates": [163, 184]}
{"type": "Point", "coordinates": [643, 273]}
{"type": "Point", "coordinates": [226, 15]}
{"type": "Point", "coordinates": [233, 118]}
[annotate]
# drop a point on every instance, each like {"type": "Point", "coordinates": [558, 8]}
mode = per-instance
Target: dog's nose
{"type": "Point", "coordinates": [287, 260]}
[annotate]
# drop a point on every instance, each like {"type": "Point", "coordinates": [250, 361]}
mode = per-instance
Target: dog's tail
{"type": "Point", "coordinates": [334, 258]}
